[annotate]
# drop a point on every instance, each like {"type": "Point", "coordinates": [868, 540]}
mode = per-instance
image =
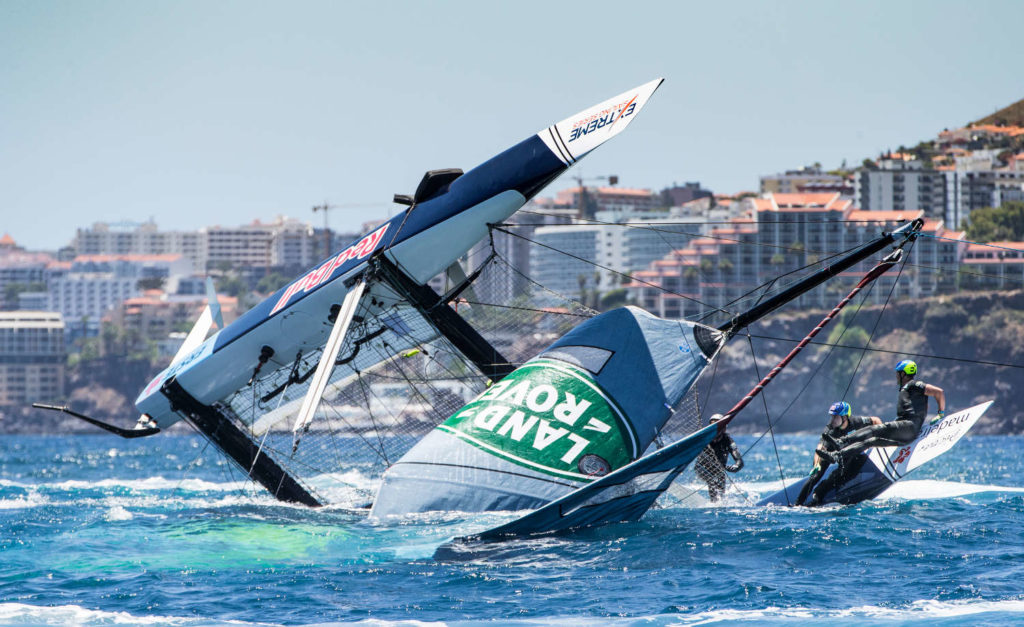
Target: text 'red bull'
{"type": "Point", "coordinates": [316, 277]}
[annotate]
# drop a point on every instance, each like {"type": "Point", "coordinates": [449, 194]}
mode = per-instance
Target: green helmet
{"type": "Point", "coordinates": [907, 367]}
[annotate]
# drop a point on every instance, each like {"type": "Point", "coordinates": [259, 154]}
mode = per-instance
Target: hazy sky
{"type": "Point", "coordinates": [200, 113]}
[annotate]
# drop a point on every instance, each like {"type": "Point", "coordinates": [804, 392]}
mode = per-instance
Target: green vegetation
{"type": "Point", "coordinates": [992, 224]}
{"type": "Point", "coordinates": [12, 290]}
{"type": "Point", "coordinates": [231, 284]}
{"type": "Point", "coordinates": [844, 360]}
{"type": "Point", "coordinates": [1012, 115]}
{"type": "Point", "coordinates": [612, 299]}
{"type": "Point", "coordinates": [272, 282]}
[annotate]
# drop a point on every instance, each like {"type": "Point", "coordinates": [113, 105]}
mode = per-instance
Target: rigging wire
{"type": "Point", "coordinates": [616, 272]}
{"type": "Point", "coordinates": [642, 226]}
{"type": "Point", "coordinates": [807, 382]}
{"type": "Point", "coordinates": [981, 362]}
{"type": "Point", "coordinates": [767, 413]}
{"type": "Point", "coordinates": [878, 319]}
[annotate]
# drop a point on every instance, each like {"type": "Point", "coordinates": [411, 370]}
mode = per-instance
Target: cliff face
{"type": "Point", "coordinates": [985, 326]}
{"type": "Point", "coordinates": [963, 330]}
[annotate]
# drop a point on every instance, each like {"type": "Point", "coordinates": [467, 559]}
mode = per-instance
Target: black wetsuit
{"type": "Point", "coordinates": [853, 423]}
{"type": "Point", "coordinates": [711, 466]}
{"type": "Point", "coordinates": [911, 409]}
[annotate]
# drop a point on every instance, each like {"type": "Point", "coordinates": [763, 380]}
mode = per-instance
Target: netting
{"type": "Point", "coordinates": [395, 378]}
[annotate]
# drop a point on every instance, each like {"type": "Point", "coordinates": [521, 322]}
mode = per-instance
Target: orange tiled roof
{"type": "Point", "coordinates": [7, 240]}
{"type": "Point", "coordinates": [104, 258]}
{"type": "Point", "coordinates": [820, 199]}
{"type": "Point", "coordinates": [990, 245]}
{"type": "Point", "coordinates": [884, 216]}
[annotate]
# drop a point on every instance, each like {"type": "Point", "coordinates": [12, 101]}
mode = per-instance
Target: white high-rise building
{"type": "Point", "coordinates": [32, 357]}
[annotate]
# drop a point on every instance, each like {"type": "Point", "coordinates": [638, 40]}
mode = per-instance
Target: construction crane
{"type": "Point", "coordinates": [326, 207]}
{"type": "Point", "coordinates": [581, 200]}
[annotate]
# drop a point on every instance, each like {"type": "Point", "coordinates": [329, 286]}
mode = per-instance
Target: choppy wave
{"type": "Point", "coordinates": [128, 537]}
{"type": "Point", "coordinates": [924, 611]}
{"type": "Point", "coordinates": [23, 614]}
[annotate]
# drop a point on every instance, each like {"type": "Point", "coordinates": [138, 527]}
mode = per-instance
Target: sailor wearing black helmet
{"type": "Point", "coordinates": [911, 410]}
{"type": "Point", "coordinates": [711, 466]}
{"type": "Point", "coordinates": [841, 421]}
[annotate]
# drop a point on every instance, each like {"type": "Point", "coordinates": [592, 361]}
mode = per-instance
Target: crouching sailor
{"type": "Point", "coordinates": [911, 409]}
{"type": "Point", "coordinates": [711, 466]}
{"type": "Point", "coordinates": [840, 423]}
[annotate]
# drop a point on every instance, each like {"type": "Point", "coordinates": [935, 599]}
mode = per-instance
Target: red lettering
{"type": "Point", "coordinates": [288, 293]}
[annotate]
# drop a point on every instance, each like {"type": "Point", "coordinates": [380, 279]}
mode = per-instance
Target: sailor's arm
{"type": "Point", "coordinates": [939, 396]}
{"type": "Point", "coordinates": [735, 452]}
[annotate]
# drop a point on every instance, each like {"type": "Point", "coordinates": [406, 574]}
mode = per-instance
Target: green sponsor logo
{"type": "Point", "coordinates": [551, 417]}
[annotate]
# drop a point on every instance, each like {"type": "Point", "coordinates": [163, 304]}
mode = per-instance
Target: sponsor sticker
{"type": "Point", "coordinates": [321, 275]}
{"type": "Point", "coordinates": [607, 117]}
{"type": "Point", "coordinates": [549, 417]}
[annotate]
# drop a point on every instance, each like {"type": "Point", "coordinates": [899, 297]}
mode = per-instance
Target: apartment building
{"type": "Point", "coordinates": [281, 242]}
{"type": "Point", "coordinates": [32, 357]}
{"type": "Point", "coordinates": [140, 238]}
{"type": "Point", "coordinates": [799, 181]}
{"type": "Point", "coordinates": [788, 232]}
{"type": "Point", "coordinates": [84, 290]}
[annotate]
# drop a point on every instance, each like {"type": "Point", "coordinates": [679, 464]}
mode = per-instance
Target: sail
{"type": "Point", "coordinates": [589, 404]}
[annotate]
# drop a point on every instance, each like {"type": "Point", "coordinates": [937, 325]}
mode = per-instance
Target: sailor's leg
{"type": "Point", "coordinates": [716, 487]}
{"type": "Point", "coordinates": [888, 434]}
{"type": "Point", "coordinates": [811, 482]}
{"type": "Point", "coordinates": [824, 486]}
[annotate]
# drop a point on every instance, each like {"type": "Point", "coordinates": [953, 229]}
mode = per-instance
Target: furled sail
{"type": "Point", "coordinates": [589, 404]}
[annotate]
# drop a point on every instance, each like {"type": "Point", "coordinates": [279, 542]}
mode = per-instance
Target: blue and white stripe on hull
{"type": "Point", "coordinates": [422, 242]}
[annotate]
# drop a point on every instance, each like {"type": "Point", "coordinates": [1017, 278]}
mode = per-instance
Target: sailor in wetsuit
{"type": "Point", "coordinates": [711, 464]}
{"type": "Point", "coordinates": [911, 409]}
{"type": "Point", "coordinates": [841, 422]}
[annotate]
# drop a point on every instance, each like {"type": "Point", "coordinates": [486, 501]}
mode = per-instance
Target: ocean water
{"type": "Point", "coordinates": [98, 531]}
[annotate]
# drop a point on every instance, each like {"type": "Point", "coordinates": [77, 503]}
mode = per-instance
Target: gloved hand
{"type": "Point", "coordinates": [815, 470]}
{"type": "Point", "coordinates": [940, 416]}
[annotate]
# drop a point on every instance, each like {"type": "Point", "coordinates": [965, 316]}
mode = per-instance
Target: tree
{"type": "Point", "coordinates": [1005, 223]}
{"type": "Point", "coordinates": [271, 283]}
{"type": "Point", "coordinates": [232, 285]}
{"type": "Point", "coordinates": [612, 299]}
{"type": "Point", "coordinates": [12, 290]}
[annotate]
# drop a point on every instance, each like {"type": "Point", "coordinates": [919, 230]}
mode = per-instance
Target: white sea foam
{"type": "Point", "coordinates": [142, 484]}
{"type": "Point", "coordinates": [32, 500]}
{"type": "Point", "coordinates": [923, 611]}
{"type": "Point", "coordinates": [118, 513]}
{"type": "Point", "coordinates": [907, 489]}
{"type": "Point", "coordinates": [933, 489]}
{"type": "Point", "coordinates": [22, 614]}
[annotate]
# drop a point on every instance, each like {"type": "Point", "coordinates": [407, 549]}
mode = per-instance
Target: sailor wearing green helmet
{"type": "Point", "coordinates": [911, 410]}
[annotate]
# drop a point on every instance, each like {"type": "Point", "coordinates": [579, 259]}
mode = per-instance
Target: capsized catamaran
{"type": "Point", "coordinates": [624, 494]}
{"type": "Point", "coordinates": [254, 388]}
{"type": "Point", "coordinates": [359, 367]}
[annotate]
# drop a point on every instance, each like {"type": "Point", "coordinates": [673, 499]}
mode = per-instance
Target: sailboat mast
{"type": "Point", "coordinates": [880, 269]}
{"type": "Point", "coordinates": [907, 232]}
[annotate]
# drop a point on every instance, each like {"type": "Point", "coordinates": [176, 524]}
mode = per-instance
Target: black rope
{"type": "Point", "coordinates": [768, 416]}
{"type": "Point", "coordinates": [878, 319]}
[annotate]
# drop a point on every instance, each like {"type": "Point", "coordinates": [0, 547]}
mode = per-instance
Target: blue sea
{"type": "Point", "coordinates": [98, 531]}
